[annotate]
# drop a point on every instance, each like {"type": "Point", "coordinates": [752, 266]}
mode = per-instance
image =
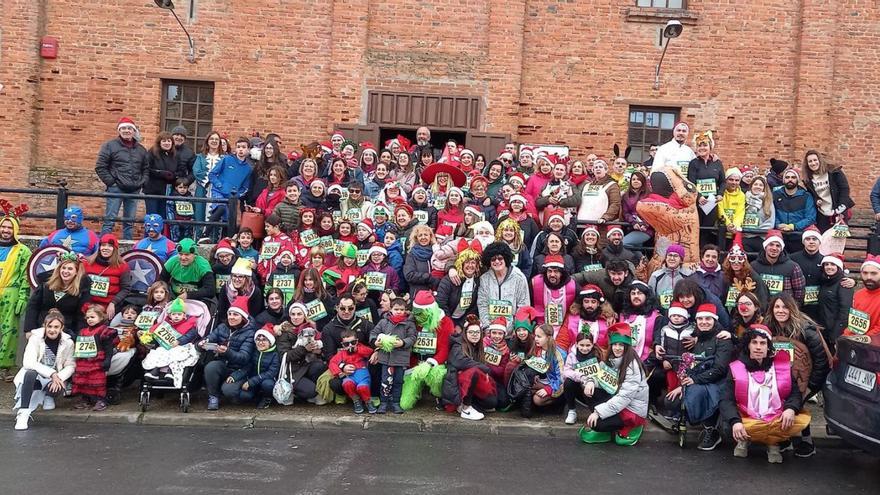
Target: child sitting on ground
{"type": "Point", "coordinates": [350, 364]}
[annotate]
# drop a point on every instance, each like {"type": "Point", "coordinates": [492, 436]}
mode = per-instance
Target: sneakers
{"type": "Point", "coordinates": [468, 412]}
{"type": "Point", "coordinates": [572, 417]}
{"type": "Point", "coordinates": [153, 374]}
{"type": "Point", "coordinates": [709, 439]}
{"type": "Point", "coordinates": [396, 409]}
{"type": "Point", "coordinates": [804, 449]}
{"type": "Point", "coordinates": [383, 408]}
{"type": "Point", "coordinates": [358, 406]}
{"type": "Point", "coordinates": [213, 403]}
{"type": "Point", "coordinates": [774, 456]}
{"type": "Point", "coordinates": [100, 405]}
{"type": "Point", "coordinates": [264, 403]}
{"type": "Point", "coordinates": [371, 408]}
{"type": "Point", "coordinates": [786, 446]}
{"type": "Point", "coordinates": [21, 419]}
{"type": "Point", "coordinates": [48, 403]}
{"type": "Point", "coordinates": [741, 450]}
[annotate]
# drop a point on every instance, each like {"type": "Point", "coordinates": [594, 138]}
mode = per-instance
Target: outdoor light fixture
{"type": "Point", "coordinates": [169, 5]}
{"type": "Point", "coordinates": [673, 29]}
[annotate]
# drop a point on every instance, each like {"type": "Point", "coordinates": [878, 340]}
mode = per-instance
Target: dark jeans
{"type": "Point", "coordinates": [391, 383]}
{"type": "Point", "coordinates": [216, 373]}
{"type": "Point", "coordinates": [258, 391]}
{"type": "Point", "coordinates": [572, 391]}
{"type": "Point", "coordinates": [304, 388]}
{"type": "Point", "coordinates": [155, 207]}
{"type": "Point", "coordinates": [129, 209]}
{"type": "Point", "coordinates": [218, 214]}
{"type": "Point", "coordinates": [29, 384]}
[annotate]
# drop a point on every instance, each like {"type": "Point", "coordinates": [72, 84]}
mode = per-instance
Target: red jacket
{"type": "Point", "coordinates": [267, 266]}
{"type": "Point", "coordinates": [342, 357]}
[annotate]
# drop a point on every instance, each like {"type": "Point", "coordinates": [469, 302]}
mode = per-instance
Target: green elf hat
{"type": "Point", "coordinates": [177, 306]}
{"type": "Point", "coordinates": [525, 318]}
{"type": "Point", "coordinates": [620, 333]}
{"type": "Point", "coordinates": [349, 251]}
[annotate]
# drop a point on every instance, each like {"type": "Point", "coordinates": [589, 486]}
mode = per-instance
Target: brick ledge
{"type": "Point", "coordinates": [659, 15]}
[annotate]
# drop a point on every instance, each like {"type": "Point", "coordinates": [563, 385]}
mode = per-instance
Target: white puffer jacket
{"type": "Point", "coordinates": [33, 358]}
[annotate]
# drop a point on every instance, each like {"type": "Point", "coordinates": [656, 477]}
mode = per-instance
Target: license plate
{"type": "Point", "coordinates": [860, 378]}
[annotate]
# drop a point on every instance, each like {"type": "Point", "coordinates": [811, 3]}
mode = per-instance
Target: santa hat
{"type": "Point", "coordinates": [224, 247]}
{"type": "Point", "coordinates": [526, 150]}
{"type": "Point", "coordinates": [773, 235]}
{"type": "Point", "coordinates": [676, 308]}
{"type": "Point", "coordinates": [736, 249]}
{"type": "Point", "coordinates": [593, 292]}
{"type": "Point", "coordinates": [525, 318]}
{"type": "Point", "coordinates": [554, 261]}
{"type": "Point", "coordinates": [424, 300]}
{"type": "Point", "coordinates": [550, 214]}
{"type": "Point", "coordinates": [612, 229]}
{"type": "Point", "coordinates": [419, 188]}
{"type": "Point", "coordinates": [707, 310]}
{"type": "Point", "coordinates": [285, 251]}
{"type": "Point", "coordinates": [834, 259]}
{"type": "Point", "coordinates": [620, 333]}
{"type": "Point", "coordinates": [466, 152]}
{"type": "Point", "coordinates": [551, 159]}
{"type": "Point", "coordinates": [499, 323]}
{"type": "Point", "coordinates": [242, 266]}
{"type": "Point", "coordinates": [443, 230]}
{"type": "Point", "coordinates": [456, 190]}
{"type": "Point", "coordinates": [872, 260]}
{"type": "Point", "coordinates": [378, 247]}
{"type": "Point", "coordinates": [125, 121]}
{"type": "Point", "coordinates": [337, 134]}
{"type": "Point", "coordinates": [590, 228]}
{"type": "Point", "coordinates": [474, 210]}
{"type": "Point", "coordinates": [518, 197]}
{"type": "Point", "coordinates": [763, 330]}
{"type": "Point", "coordinates": [811, 231]}
{"type": "Point", "coordinates": [517, 176]}
{"type": "Point", "coordinates": [265, 333]}
{"type": "Point", "coordinates": [367, 223]}
{"type": "Point", "coordinates": [792, 170]}
{"type": "Point", "coordinates": [240, 306]}
{"type": "Point", "coordinates": [731, 172]}
{"type": "Point", "coordinates": [335, 189]}
{"type": "Point", "coordinates": [177, 306]}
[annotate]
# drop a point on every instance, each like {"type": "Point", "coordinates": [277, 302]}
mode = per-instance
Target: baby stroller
{"type": "Point", "coordinates": [149, 384]}
{"type": "Point", "coordinates": [676, 422]}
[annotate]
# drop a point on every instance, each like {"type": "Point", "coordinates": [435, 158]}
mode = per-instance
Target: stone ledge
{"type": "Point", "coordinates": [655, 15]}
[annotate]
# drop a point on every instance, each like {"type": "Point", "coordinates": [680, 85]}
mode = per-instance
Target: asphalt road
{"type": "Point", "coordinates": [114, 459]}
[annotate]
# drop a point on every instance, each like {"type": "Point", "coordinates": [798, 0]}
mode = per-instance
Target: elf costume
{"type": "Point", "coordinates": [14, 288]}
{"type": "Point", "coordinates": [430, 350]}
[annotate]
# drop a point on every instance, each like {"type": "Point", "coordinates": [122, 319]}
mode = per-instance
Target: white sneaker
{"type": "Point", "coordinates": [468, 412]}
{"type": "Point", "coordinates": [741, 450]}
{"type": "Point", "coordinates": [21, 419]}
{"type": "Point", "coordinates": [774, 456]}
{"type": "Point", "coordinates": [572, 417]}
{"type": "Point", "coordinates": [48, 403]}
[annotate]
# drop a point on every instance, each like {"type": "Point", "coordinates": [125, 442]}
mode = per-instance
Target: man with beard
{"type": "Point", "coordinates": [810, 262]}
{"type": "Point", "coordinates": [795, 209]}
{"type": "Point", "coordinates": [423, 142]}
{"type": "Point", "coordinates": [553, 292]}
{"type": "Point", "coordinates": [14, 287]}
{"type": "Point", "coordinates": [614, 250]}
{"type": "Point", "coordinates": [591, 315]}
{"type": "Point", "coordinates": [675, 152]}
{"type": "Point", "coordinates": [864, 316]}
{"type": "Point", "coordinates": [778, 272]}
{"type": "Point", "coordinates": [614, 281]}
{"type": "Point", "coordinates": [641, 313]}
{"type": "Point", "coordinates": [526, 165]}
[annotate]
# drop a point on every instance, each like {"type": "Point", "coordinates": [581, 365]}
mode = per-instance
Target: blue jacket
{"type": "Point", "coordinates": [82, 240]}
{"type": "Point", "coordinates": [395, 255]}
{"type": "Point", "coordinates": [875, 197]}
{"type": "Point", "coordinates": [263, 366]}
{"type": "Point", "coordinates": [231, 174]}
{"type": "Point", "coordinates": [798, 209]}
{"type": "Point", "coordinates": [240, 343]}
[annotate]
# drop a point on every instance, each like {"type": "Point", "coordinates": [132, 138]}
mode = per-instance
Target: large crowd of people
{"type": "Point", "coordinates": [381, 277]}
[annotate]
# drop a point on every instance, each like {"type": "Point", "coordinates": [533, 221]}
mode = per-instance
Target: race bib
{"type": "Point", "coordinates": [354, 214]}
{"type": "Point", "coordinates": [707, 187]}
{"type": "Point", "coordinates": [100, 285]}
{"type": "Point", "coordinates": [811, 294]}
{"type": "Point", "coordinates": [538, 364]}
{"type": "Point", "coordinates": [683, 165]}
{"type": "Point", "coordinates": [365, 314]}
{"type": "Point", "coordinates": [363, 255]}
{"type": "Point", "coordinates": [751, 221]}
{"type": "Point", "coordinates": [183, 208]}
{"type": "Point", "coordinates": [588, 368]}
{"type": "Point", "coordinates": [219, 280]}
{"type": "Point", "coordinates": [376, 280]}
{"type": "Point", "coordinates": [500, 307]}
{"type": "Point", "coordinates": [421, 216]}
{"type": "Point", "coordinates": [666, 298]}
{"type": "Point", "coordinates": [785, 347]}
{"type": "Point", "coordinates": [327, 243]}
{"type": "Point", "coordinates": [315, 310]}
{"type": "Point", "coordinates": [732, 296]}
{"type": "Point", "coordinates": [309, 238]}
{"type": "Point", "coordinates": [553, 314]}
{"type": "Point", "coordinates": [343, 194]}
{"type": "Point", "coordinates": [337, 216]}
{"type": "Point", "coordinates": [269, 250]}
{"type": "Point", "coordinates": [728, 214]}
{"type": "Point", "coordinates": [840, 231]}
{"type": "Point", "coordinates": [166, 335]}
{"type": "Point", "coordinates": [440, 202]}
{"type": "Point", "coordinates": [467, 297]}
{"type": "Point", "coordinates": [774, 283]}
{"type": "Point", "coordinates": [403, 244]}
{"type": "Point", "coordinates": [592, 190]}
{"type": "Point", "coordinates": [607, 378]}
{"type": "Point", "coordinates": [593, 267]}
{"type": "Point", "coordinates": [858, 321]}
{"type": "Point", "coordinates": [146, 319]}
{"type": "Point", "coordinates": [85, 347]}
{"type": "Point", "coordinates": [426, 343]}
{"type": "Point", "coordinates": [285, 282]}
{"type": "Point", "coordinates": [492, 356]}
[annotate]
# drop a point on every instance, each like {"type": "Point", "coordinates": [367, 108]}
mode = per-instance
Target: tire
{"type": "Point", "coordinates": [682, 438]}
{"type": "Point", "coordinates": [144, 400]}
{"type": "Point", "coordinates": [184, 402]}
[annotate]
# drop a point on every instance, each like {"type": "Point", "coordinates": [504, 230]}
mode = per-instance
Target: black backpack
{"type": "Point", "coordinates": [521, 381]}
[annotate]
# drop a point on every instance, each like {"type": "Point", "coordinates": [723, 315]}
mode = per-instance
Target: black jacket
{"type": "Point", "coordinates": [833, 307]}
{"type": "Point", "coordinates": [43, 299]}
{"type": "Point", "coordinates": [163, 171]}
{"type": "Point", "coordinates": [455, 362]}
{"type": "Point", "coordinates": [727, 406]}
{"type": "Point", "coordinates": [710, 347]}
{"type": "Point", "coordinates": [126, 167]}
{"type": "Point", "coordinates": [713, 170]}
{"type": "Point", "coordinates": [331, 335]}
{"type": "Point", "coordinates": [185, 160]}
{"type": "Point", "coordinates": [839, 186]}
{"type": "Point", "coordinates": [449, 295]}
{"type": "Point", "coordinates": [793, 277]}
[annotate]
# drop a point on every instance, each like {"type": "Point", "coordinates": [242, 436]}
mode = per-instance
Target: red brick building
{"type": "Point", "coordinates": [773, 77]}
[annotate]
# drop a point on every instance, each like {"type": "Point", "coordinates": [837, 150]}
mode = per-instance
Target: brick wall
{"type": "Point", "coordinates": [773, 77]}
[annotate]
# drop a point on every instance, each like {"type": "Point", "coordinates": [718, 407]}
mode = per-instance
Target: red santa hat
{"type": "Point", "coordinates": [517, 176]}
{"type": "Point", "coordinates": [834, 259]}
{"type": "Point", "coordinates": [424, 299]}
{"type": "Point", "coordinates": [773, 235]}
{"type": "Point", "coordinates": [240, 306]}
{"type": "Point", "coordinates": [550, 214]}
{"type": "Point", "coordinates": [612, 229]}
{"type": "Point", "coordinates": [377, 247]}
{"type": "Point", "coordinates": [265, 333]}
{"type": "Point", "coordinates": [554, 261]}
{"type": "Point", "coordinates": [337, 134]}
{"type": "Point", "coordinates": [811, 231]}
{"type": "Point", "coordinates": [474, 210]}
{"type": "Point", "coordinates": [224, 247]}
{"type": "Point", "coordinates": [518, 197]}
{"type": "Point", "coordinates": [551, 159]}
{"type": "Point", "coordinates": [443, 230]}
{"type": "Point", "coordinates": [367, 223]}
{"type": "Point", "coordinates": [792, 170]}
{"type": "Point", "coordinates": [592, 291]}
{"type": "Point", "coordinates": [466, 152]}
{"type": "Point", "coordinates": [499, 323]}
{"type": "Point", "coordinates": [872, 260]}
{"type": "Point", "coordinates": [125, 121]}
{"type": "Point", "coordinates": [527, 150]}
{"type": "Point", "coordinates": [707, 310]}
{"type": "Point", "coordinates": [590, 229]}
{"type": "Point", "coordinates": [676, 308]}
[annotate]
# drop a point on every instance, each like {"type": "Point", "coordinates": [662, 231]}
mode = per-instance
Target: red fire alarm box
{"type": "Point", "coordinates": [49, 47]}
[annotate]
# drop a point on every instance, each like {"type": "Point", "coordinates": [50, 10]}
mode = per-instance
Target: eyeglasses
{"type": "Point", "coordinates": [260, 337]}
{"type": "Point", "coordinates": [474, 331]}
{"type": "Point", "coordinates": [345, 308]}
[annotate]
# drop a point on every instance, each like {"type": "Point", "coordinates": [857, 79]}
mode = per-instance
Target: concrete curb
{"type": "Point", "coordinates": [443, 424]}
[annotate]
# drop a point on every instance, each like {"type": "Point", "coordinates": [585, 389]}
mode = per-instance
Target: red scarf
{"type": "Point", "coordinates": [397, 319]}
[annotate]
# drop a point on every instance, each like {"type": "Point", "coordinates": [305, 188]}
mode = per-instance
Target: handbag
{"type": "Point", "coordinates": [283, 389]}
{"type": "Point", "coordinates": [254, 221]}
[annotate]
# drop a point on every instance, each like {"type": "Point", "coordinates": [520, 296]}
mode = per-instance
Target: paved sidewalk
{"type": "Point", "coordinates": [423, 419]}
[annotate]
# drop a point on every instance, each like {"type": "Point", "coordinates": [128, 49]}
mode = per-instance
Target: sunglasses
{"type": "Point", "coordinates": [346, 308]}
{"type": "Point", "coordinates": [497, 258]}
{"type": "Point", "coordinates": [349, 343]}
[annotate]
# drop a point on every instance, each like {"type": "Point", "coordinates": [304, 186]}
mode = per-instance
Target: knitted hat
{"type": "Point", "coordinates": [811, 231]}
{"type": "Point", "coordinates": [641, 286]}
{"type": "Point", "coordinates": [732, 171]}
{"type": "Point", "coordinates": [834, 259]}
{"type": "Point", "coordinates": [424, 299]}
{"type": "Point", "coordinates": [109, 238]}
{"type": "Point", "coordinates": [525, 318]}
{"type": "Point", "coordinates": [554, 261]}
{"type": "Point", "coordinates": [593, 292]}
{"type": "Point", "coordinates": [675, 249]}
{"type": "Point", "coordinates": [179, 130]}
{"type": "Point", "coordinates": [378, 247]}
{"type": "Point", "coordinates": [620, 333]}
{"type": "Point", "coordinates": [240, 306]}
{"type": "Point", "coordinates": [550, 214]}
{"type": "Point", "coordinates": [298, 305]}
{"type": "Point", "coordinates": [792, 170]}
{"type": "Point", "coordinates": [778, 165]}
{"type": "Point", "coordinates": [676, 308]}
{"type": "Point", "coordinates": [612, 229]}
{"type": "Point", "coordinates": [334, 189]}
{"type": "Point", "coordinates": [265, 333]}
{"type": "Point", "coordinates": [242, 266]}
{"type": "Point", "coordinates": [405, 207]}
{"type": "Point", "coordinates": [707, 310]}
{"type": "Point", "coordinates": [224, 247]}
{"type": "Point", "coordinates": [773, 235]}
{"type": "Point", "coordinates": [479, 178]}
{"type": "Point", "coordinates": [872, 260]}
{"type": "Point", "coordinates": [499, 323]}
{"type": "Point", "coordinates": [177, 306]}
